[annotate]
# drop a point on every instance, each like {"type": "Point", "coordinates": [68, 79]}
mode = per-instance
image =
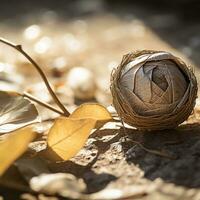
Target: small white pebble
{"type": "Point", "coordinates": [43, 45]}
{"type": "Point", "coordinates": [72, 44]}
{"type": "Point", "coordinates": [109, 193]}
{"type": "Point", "coordinates": [60, 62]}
{"type": "Point", "coordinates": [32, 32]}
{"type": "Point", "coordinates": [82, 83]}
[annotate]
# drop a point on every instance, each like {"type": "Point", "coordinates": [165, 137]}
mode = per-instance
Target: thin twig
{"type": "Point", "coordinates": [155, 152]}
{"type": "Point", "coordinates": [29, 96]}
{"type": "Point", "coordinates": [152, 151]}
{"type": "Point", "coordinates": [38, 68]}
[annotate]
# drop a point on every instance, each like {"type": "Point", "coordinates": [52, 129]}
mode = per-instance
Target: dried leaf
{"type": "Point", "coordinates": [66, 137]}
{"type": "Point", "coordinates": [15, 112]}
{"type": "Point", "coordinates": [14, 146]}
{"type": "Point", "coordinates": [153, 90]}
{"type": "Point", "coordinates": [92, 110]}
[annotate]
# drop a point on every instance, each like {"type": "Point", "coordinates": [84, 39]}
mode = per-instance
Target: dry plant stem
{"type": "Point", "coordinates": [29, 96]}
{"type": "Point", "coordinates": [38, 68]}
{"type": "Point", "coordinates": [152, 151]}
{"type": "Point", "coordinates": [155, 152]}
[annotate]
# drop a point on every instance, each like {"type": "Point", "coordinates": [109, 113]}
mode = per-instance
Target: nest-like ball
{"type": "Point", "coordinates": [153, 90]}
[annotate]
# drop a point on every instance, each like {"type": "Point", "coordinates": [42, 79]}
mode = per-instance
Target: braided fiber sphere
{"type": "Point", "coordinates": [153, 90]}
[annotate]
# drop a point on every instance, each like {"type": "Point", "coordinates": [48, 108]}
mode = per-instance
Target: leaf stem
{"type": "Point", "coordinates": [38, 68]}
{"type": "Point", "coordinates": [29, 96]}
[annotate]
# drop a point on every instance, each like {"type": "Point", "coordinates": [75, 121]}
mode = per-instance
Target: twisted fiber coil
{"type": "Point", "coordinates": [155, 121]}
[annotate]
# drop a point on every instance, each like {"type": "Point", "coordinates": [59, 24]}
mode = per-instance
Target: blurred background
{"type": "Point", "coordinates": [79, 42]}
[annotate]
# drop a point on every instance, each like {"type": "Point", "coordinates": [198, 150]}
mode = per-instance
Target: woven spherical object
{"type": "Point", "coordinates": [153, 90]}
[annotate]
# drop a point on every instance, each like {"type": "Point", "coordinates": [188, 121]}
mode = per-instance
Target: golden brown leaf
{"type": "Point", "coordinates": [66, 137]}
{"type": "Point", "coordinates": [92, 110]}
{"type": "Point", "coordinates": [14, 146]}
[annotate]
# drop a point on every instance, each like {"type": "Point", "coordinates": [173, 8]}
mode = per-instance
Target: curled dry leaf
{"type": "Point", "coordinates": [15, 112]}
{"type": "Point", "coordinates": [153, 90]}
{"type": "Point", "coordinates": [14, 146]}
{"type": "Point", "coordinates": [66, 137]}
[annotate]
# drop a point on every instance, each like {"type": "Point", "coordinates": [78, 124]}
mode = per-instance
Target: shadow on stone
{"type": "Point", "coordinates": [95, 182]}
{"type": "Point", "coordinates": [183, 143]}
